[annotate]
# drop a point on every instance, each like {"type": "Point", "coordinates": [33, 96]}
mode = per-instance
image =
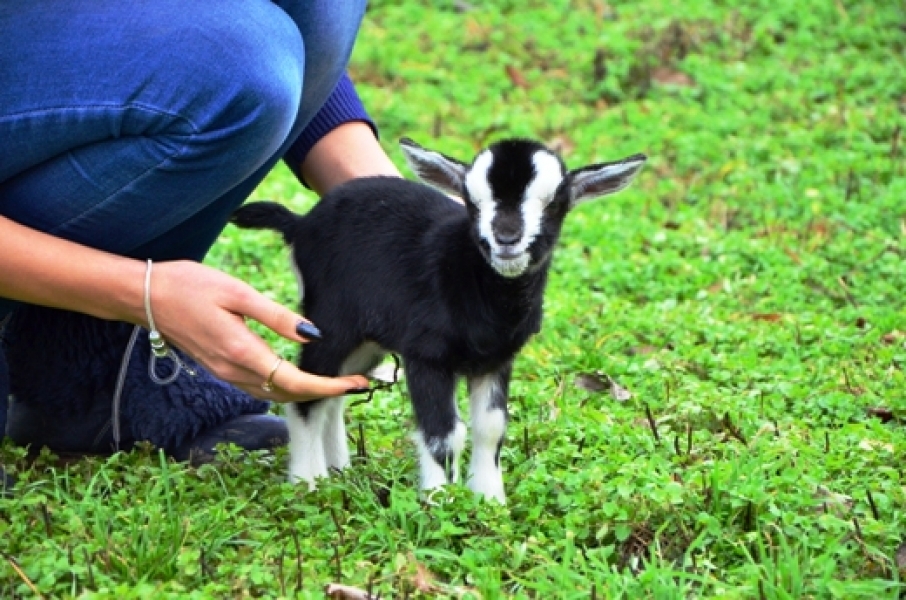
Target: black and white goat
{"type": "Point", "coordinates": [391, 265]}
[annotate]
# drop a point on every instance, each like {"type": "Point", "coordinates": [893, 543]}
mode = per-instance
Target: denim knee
{"type": "Point", "coordinates": [246, 74]}
{"type": "Point", "coordinates": [160, 110]}
{"type": "Point", "coordinates": [329, 29]}
{"type": "Point", "coordinates": [145, 70]}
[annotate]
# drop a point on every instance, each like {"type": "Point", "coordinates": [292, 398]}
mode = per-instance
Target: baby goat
{"type": "Point", "coordinates": [391, 265]}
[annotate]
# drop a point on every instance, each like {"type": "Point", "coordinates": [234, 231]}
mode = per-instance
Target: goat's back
{"type": "Point", "coordinates": [380, 214]}
{"type": "Point", "coordinates": [382, 259]}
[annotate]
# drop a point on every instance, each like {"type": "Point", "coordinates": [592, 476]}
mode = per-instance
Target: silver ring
{"type": "Point", "coordinates": [268, 385]}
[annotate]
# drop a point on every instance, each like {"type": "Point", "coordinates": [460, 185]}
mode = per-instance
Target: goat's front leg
{"type": "Point", "coordinates": [488, 408]}
{"type": "Point", "coordinates": [441, 433]}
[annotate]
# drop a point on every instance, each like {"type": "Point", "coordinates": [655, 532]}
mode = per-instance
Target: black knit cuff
{"type": "Point", "coordinates": [342, 106]}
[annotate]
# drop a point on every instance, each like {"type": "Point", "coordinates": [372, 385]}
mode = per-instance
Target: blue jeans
{"type": "Point", "coordinates": [138, 127]}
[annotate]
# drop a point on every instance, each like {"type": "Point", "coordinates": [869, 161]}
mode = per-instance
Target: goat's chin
{"type": "Point", "coordinates": [511, 267]}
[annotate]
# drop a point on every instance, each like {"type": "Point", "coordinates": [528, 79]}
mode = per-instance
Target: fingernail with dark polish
{"type": "Point", "coordinates": [307, 330]}
{"type": "Point", "coordinates": [360, 390]}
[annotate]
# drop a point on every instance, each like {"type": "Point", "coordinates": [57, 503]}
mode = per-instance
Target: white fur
{"type": "Point", "coordinates": [433, 474]}
{"type": "Point", "coordinates": [538, 194]}
{"type": "Point", "coordinates": [548, 177]}
{"type": "Point", "coordinates": [336, 449]}
{"type": "Point", "coordinates": [481, 195]}
{"type": "Point", "coordinates": [307, 460]}
{"type": "Point", "coordinates": [488, 430]}
{"type": "Point", "coordinates": [318, 443]}
{"type": "Point", "coordinates": [607, 179]}
{"type": "Point", "coordinates": [513, 267]}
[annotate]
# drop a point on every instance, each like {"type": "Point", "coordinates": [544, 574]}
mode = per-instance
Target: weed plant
{"type": "Point", "coordinates": [715, 406]}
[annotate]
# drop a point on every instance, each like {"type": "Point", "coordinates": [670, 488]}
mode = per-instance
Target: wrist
{"type": "Point", "coordinates": [347, 152]}
{"type": "Point", "coordinates": [125, 301]}
{"type": "Point", "coordinates": [38, 268]}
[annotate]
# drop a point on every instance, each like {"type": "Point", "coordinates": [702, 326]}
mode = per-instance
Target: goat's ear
{"type": "Point", "coordinates": [434, 168]}
{"type": "Point", "coordinates": [599, 180]}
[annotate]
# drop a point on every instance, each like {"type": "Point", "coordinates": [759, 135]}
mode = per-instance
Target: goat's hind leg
{"type": "Point", "coordinates": [317, 432]}
{"type": "Point", "coordinates": [336, 449]}
{"type": "Point", "coordinates": [488, 409]}
{"type": "Point", "coordinates": [307, 423]}
{"type": "Point", "coordinates": [441, 433]}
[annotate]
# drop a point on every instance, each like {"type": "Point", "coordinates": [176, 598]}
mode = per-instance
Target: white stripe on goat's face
{"type": "Point", "coordinates": [510, 188]}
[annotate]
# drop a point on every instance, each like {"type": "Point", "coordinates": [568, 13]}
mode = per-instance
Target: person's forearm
{"type": "Point", "coordinates": [38, 268]}
{"type": "Point", "coordinates": [347, 152]}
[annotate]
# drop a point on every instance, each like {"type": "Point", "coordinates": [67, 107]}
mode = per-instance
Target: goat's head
{"type": "Point", "coordinates": [518, 193]}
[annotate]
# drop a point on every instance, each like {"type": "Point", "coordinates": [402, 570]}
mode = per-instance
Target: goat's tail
{"type": "Point", "coordinates": [266, 215]}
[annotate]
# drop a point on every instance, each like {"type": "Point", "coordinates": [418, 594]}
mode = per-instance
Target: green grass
{"type": "Point", "coordinates": [748, 291]}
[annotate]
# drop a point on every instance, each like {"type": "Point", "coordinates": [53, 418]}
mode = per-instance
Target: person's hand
{"type": "Point", "coordinates": [196, 308]}
{"type": "Point", "coordinates": [202, 311]}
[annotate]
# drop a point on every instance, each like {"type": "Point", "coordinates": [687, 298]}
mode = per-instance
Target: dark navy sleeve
{"type": "Point", "coordinates": [342, 106]}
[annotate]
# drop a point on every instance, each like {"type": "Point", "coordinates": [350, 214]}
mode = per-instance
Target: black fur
{"type": "Point", "coordinates": [513, 169]}
{"type": "Point", "coordinates": [396, 262]}
{"type": "Point", "coordinates": [367, 280]}
{"type": "Point", "coordinates": [400, 264]}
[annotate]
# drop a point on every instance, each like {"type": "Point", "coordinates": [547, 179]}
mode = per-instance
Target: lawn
{"type": "Point", "coordinates": [716, 405]}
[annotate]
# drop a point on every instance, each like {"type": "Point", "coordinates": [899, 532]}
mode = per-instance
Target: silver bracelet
{"type": "Point", "coordinates": [159, 349]}
{"type": "Point", "coordinates": [159, 346]}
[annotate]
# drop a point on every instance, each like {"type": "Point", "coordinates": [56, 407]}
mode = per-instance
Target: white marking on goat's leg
{"type": "Point", "coordinates": [441, 433]}
{"type": "Point", "coordinates": [487, 398]}
{"type": "Point", "coordinates": [433, 475]}
{"type": "Point", "coordinates": [321, 444]}
{"type": "Point", "coordinates": [336, 449]}
{"type": "Point", "coordinates": [307, 461]}
{"type": "Point", "coordinates": [439, 457]}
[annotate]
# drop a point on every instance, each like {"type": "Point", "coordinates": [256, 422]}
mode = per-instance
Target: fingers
{"type": "Point", "coordinates": [279, 380]}
{"type": "Point", "coordinates": [289, 383]}
{"type": "Point", "coordinates": [278, 318]}
{"type": "Point", "coordinates": [213, 330]}
{"type": "Point", "coordinates": [293, 385]}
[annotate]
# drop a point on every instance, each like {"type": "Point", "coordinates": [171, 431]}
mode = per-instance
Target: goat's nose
{"type": "Point", "coordinates": [507, 238]}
